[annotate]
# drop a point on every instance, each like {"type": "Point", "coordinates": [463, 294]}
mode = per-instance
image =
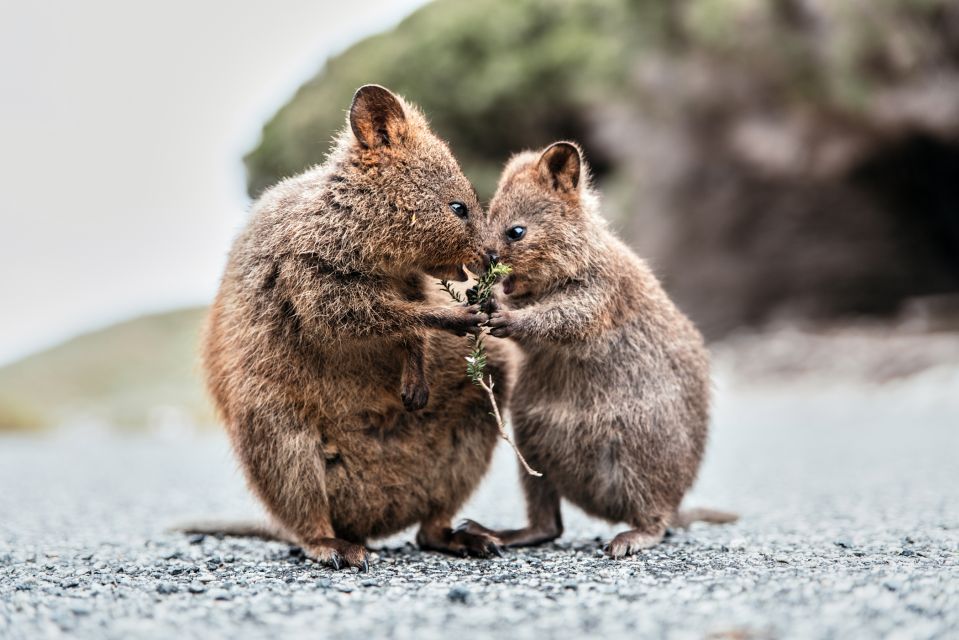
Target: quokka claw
{"type": "Point", "coordinates": [415, 397]}
{"type": "Point", "coordinates": [340, 554]}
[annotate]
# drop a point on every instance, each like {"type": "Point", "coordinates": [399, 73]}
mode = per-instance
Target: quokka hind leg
{"type": "Point", "coordinates": [545, 522]}
{"type": "Point", "coordinates": [287, 470]}
{"type": "Point", "coordinates": [629, 542]}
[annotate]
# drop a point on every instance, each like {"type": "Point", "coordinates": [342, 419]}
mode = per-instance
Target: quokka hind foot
{"type": "Point", "coordinates": [459, 541]}
{"type": "Point", "coordinates": [530, 536]}
{"type": "Point", "coordinates": [629, 542]}
{"type": "Point", "coordinates": [338, 554]}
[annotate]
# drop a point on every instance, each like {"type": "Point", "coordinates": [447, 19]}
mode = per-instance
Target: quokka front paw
{"type": "Point", "coordinates": [466, 320]}
{"type": "Point", "coordinates": [502, 324]}
{"type": "Point", "coordinates": [415, 395]}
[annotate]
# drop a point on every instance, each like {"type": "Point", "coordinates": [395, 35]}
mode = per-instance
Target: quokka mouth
{"type": "Point", "coordinates": [509, 284]}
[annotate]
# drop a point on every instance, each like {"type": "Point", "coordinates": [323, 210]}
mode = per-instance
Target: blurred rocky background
{"type": "Point", "coordinates": [782, 158]}
{"type": "Point", "coordinates": [780, 163]}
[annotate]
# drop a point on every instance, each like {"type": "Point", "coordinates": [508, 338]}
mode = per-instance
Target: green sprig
{"type": "Point", "coordinates": [483, 291]}
{"type": "Point", "coordinates": [479, 294]}
{"type": "Point", "coordinates": [476, 360]}
{"type": "Point", "coordinates": [447, 286]}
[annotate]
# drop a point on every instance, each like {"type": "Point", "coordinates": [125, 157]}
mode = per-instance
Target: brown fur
{"type": "Point", "coordinates": [612, 403]}
{"type": "Point", "coordinates": [325, 327]}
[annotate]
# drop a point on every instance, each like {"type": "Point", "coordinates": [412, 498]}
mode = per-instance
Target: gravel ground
{"type": "Point", "coordinates": [850, 529]}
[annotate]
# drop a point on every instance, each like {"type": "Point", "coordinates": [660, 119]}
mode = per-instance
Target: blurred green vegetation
{"type": "Point", "coordinates": [492, 76]}
{"type": "Point", "coordinates": [498, 76]}
{"type": "Point", "coordinates": [731, 137]}
{"type": "Point", "coordinates": [136, 374]}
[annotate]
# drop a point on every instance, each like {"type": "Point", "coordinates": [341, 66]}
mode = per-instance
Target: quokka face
{"type": "Point", "coordinates": [537, 218]}
{"type": "Point", "coordinates": [432, 209]}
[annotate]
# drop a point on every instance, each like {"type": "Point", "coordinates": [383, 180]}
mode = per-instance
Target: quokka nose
{"type": "Point", "coordinates": [490, 257]}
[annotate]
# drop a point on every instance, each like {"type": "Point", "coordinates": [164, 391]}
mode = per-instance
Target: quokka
{"type": "Point", "coordinates": [338, 373]}
{"type": "Point", "coordinates": [612, 401]}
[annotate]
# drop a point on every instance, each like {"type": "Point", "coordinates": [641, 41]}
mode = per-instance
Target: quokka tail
{"type": "Point", "coordinates": [685, 517]}
{"type": "Point", "coordinates": [223, 529]}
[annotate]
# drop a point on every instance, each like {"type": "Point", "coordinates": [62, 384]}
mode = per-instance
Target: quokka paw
{"type": "Point", "coordinates": [469, 320]}
{"type": "Point", "coordinates": [501, 324]}
{"type": "Point", "coordinates": [474, 527]}
{"type": "Point", "coordinates": [476, 545]}
{"type": "Point", "coordinates": [629, 542]}
{"type": "Point", "coordinates": [415, 396]}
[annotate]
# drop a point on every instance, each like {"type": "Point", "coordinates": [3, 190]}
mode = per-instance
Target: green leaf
{"type": "Point", "coordinates": [479, 294]}
{"type": "Point", "coordinates": [446, 286]}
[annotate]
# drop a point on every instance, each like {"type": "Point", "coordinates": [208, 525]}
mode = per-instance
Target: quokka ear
{"type": "Point", "coordinates": [376, 116]}
{"type": "Point", "coordinates": [560, 167]}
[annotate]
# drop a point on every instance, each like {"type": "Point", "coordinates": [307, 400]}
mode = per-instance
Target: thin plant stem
{"type": "Point", "coordinates": [502, 427]}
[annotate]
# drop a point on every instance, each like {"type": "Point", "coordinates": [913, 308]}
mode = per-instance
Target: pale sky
{"type": "Point", "coordinates": [122, 128]}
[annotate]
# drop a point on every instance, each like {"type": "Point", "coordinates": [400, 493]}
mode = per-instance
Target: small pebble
{"type": "Point", "coordinates": [458, 594]}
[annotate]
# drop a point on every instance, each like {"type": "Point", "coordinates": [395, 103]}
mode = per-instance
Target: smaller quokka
{"type": "Point", "coordinates": [612, 404]}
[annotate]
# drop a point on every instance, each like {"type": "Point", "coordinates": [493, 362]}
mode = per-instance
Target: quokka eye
{"type": "Point", "coordinates": [516, 233]}
{"type": "Point", "coordinates": [459, 209]}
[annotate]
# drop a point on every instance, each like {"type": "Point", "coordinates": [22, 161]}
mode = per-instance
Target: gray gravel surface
{"type": "Point", "coordinates": [850, 529]}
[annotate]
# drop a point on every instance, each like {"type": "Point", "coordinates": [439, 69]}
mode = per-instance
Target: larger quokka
{"type": "Point", "coordinates": [612, 402]}
{"type": "Point", "coordinates": [341, 384]}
